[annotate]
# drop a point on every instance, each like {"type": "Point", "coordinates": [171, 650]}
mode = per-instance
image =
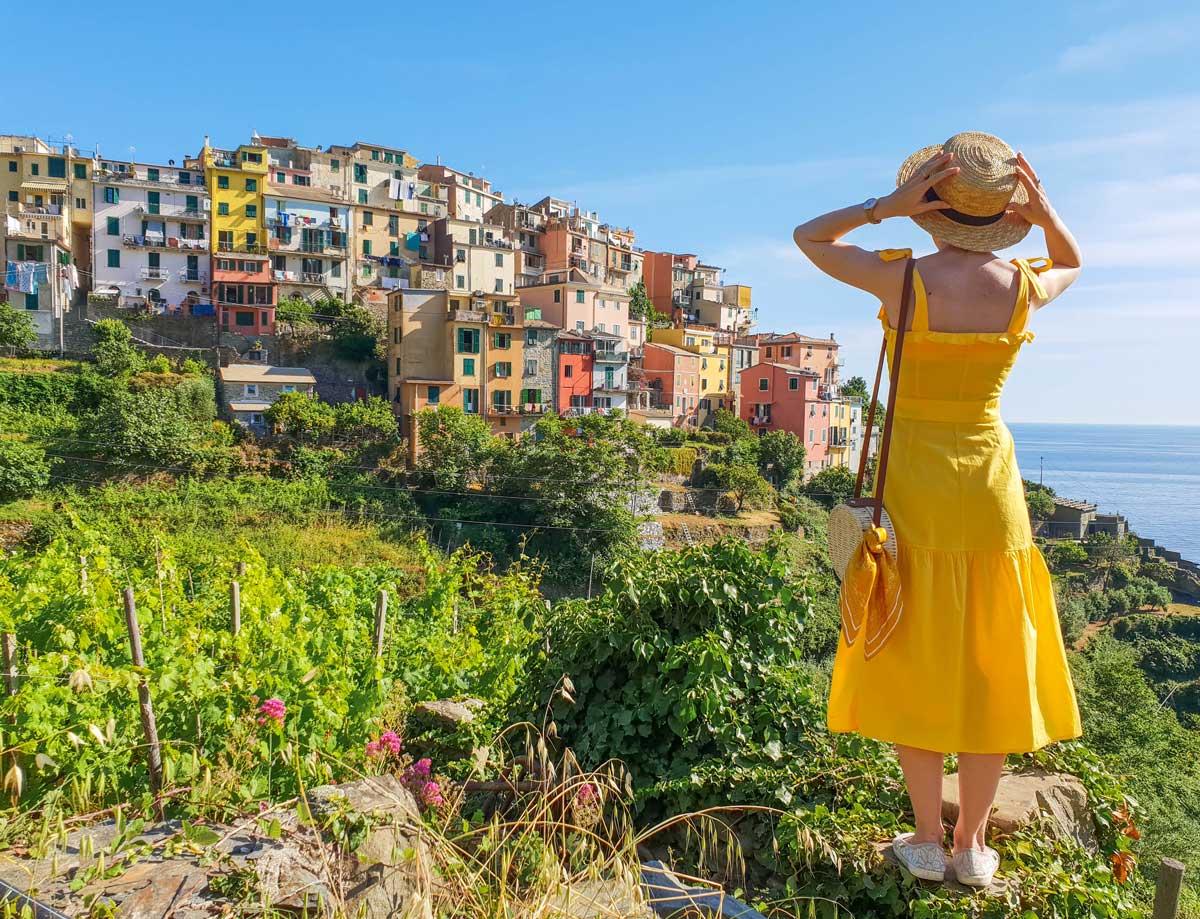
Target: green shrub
{"type": "Point", "coordinates": [24, 469]}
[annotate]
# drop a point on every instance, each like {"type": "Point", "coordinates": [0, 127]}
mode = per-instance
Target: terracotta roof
{"type": "Point", "coordinates": [262, 373]}
{"type": "Point", "coordinates": [1075, 504]}
{"type": "Point", "coordinates": [671, 349]}
{"type": "Point", "coordinates": [249, 406]}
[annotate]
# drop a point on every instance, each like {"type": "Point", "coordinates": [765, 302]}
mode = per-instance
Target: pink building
{"type": "Point", "coordinates": [573, 301]}
{"type": "Point", "coordinates": [780, 397]}
{"type": "Point", "coordinates": [673, 376]}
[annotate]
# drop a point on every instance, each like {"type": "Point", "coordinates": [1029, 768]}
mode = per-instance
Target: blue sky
{"type": "Point", "coordinates": [712, 128]}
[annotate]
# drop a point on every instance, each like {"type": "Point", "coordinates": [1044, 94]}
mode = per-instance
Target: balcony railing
{"type": "Point", "coordinates": [312, 277]}
{"type": "Point", "coordinates": [129, 178]}
{"type": "Point", "coordinates": [242, 249]}
{"type": "Point", "coordinates": [154, 274]}
{"type": "Point", "coordinates": [158, 241]}
{"type": "Point", "coordinates": [495, 409]}
{"type": "Point", "coordinates": [193, 276]}
{"type": "Point", "coordinates": [175, 211]}
{"type": "Point", "coordinates": [606, 356]}
{"type": "Point", "coordinates": [33, 225]}
{"type": "Point", "coordinates": [534, 408]}
{"type": "Point", "coordinates": [468, 316]}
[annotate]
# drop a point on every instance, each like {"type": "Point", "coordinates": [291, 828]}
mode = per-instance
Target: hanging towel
{"type": "Point", "coordinates": [74, 276]}
{"type": "Point", "coordinates": [411, 189]}
{"type": "Point", "coordinates": [10, 275]}
{"type": "Point", "coordinates": [393, 188]}
{"type": "Point", "coordinates": [412, 241]}
{"type": "Point", "coordinates": [12, 225]}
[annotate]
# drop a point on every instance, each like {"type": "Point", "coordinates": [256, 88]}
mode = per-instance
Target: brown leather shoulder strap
{"type": "Point", "coordinates": [906, 298]}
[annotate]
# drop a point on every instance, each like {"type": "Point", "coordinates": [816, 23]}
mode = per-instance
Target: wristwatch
{"type": "Point", "coordinates": [869, 209]}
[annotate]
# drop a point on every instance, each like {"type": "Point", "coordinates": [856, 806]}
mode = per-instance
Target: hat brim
{"type": "Point", "coordinates": [1000, 235]}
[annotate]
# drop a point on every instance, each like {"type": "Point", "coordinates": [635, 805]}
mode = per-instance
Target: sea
{"type": "Point", "coordinates": [1148, 473]}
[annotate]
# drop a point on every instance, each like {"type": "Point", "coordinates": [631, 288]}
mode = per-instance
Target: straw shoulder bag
{"type": "Point", "coordinates": [848, 522]}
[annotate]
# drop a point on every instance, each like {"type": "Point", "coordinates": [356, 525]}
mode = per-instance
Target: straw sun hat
{"type": "Point", "coordinates": [978, 194]}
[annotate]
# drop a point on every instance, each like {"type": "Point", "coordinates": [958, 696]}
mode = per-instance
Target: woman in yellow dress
{"type": "Point", "coordinates": [975, 664]}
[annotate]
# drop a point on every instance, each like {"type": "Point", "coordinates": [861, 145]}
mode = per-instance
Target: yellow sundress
{"type": "Point", "coordinates": [976, 663]}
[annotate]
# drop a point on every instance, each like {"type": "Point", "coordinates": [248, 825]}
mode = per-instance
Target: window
{"type": "Point", "coordinates": [374, 154]}
{"type": "Point", "coordinates": [501, 340]}
{"type": "Point", "coordinates": [366, 247]}
{"type": "Point", "coordinates": [394, 248]}
{"type": "Point", "coordinates": [616, 329]}
{"type": "Point", "coordinates": [499, 285]}
{"type": "Point", "coordinates": [501, 399]}
{"type": "Point", "coordinates": [58, 167]}
{"type": "Point", "coordinates": [471, 401]}
{"type": "Point", "coordinates": [152, 175]}
{"type": "Point", "coordinates": [558, 296]}
{"type": "Point", "coordinates": [31, 302]}
{"type": "Point", "coordinates": [112, 196]}
{"type": "Point", "coordinates": [531, 368]}
{"type": "Point", "coordinates": [368, 219]}
{"type": "Point", "coordinates": [34, 169]}
{"type": "Point", "coordinates": [531, 339]}
{"type": "Point", "coordinates": [360, 173]}
{"type": "Point", "coordinates": [81, 204]}
{"type": "Point", "coordinates": [222, 181]}
{"type": "Point", "coordinates": [600, 327]}
{"type": "Point", "coordinates": [252, 210]}
{"type": "Point", "coordinates": [280, 178]}
{"type": "Point", "coordinates": [12, 165]}
{"type": "Point", "coordinates": [81, 170]}
{"type": "Point", "coordinates": [499, 259]}
{"type": "Point", "coordinates": [223, 209]}
{"type": "Point", "coordinates": [13, 196]}
{"type": "Point", "coordinates": [531, 396]}
{"type": "Point", "coordinates": [154, 259]}
{"type": "Point", "coordinates": [335, 165]}
{"type": "Point", "coordinates": [113, 226]}
{"type": "Point", "coordinates": [243, 319]}
{"type": "Point", "coordinates": [251, 240]}
{"type": "Point", "coordinates": [287, 387]}
{"type": "Point", "coordinates": [503, 368]}
{"type": "Point", "coordinates": [468, 341]}
{"type": "Point", "coordinates": [763, 384]}
{"type": "Point", "coordinates": [433, 394]}
{"type": "Point", "coordinates": [251, 157]}
{"type": "Point", "coordinates": [393, 224]}
{"type": "Point", "coordinates": [250, 389]}
{"type": "Point", "coordinates": [252, 185]}
{"type": "Point", "coordinates": [579, 296]}
{"type": "Point", "coordinates": [822, 437]}
{"type": "Point", "coordinates": [185, 178]}
{"type": "Point", "coordinates": [114, 258]}
{"type": "Point", "coordinates": [568, 371]}
{"type": "Point", "coordinates": [578, 325]}
{"type": "Point", "coordinates": [460, 280]}
{"type": "Point", "coordinates": [793, 382]}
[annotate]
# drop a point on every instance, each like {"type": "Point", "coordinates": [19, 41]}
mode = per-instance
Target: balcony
{"type": "Point", "coordinates": [158, 241]}
{"type": "Point", "coordinates": [468, 316]}
{"type": "Point", "coordinates": [130, 178]}
{"type": "Point", "coordinates": [40, 226]}
{"type": "Point", "coordinates": [611, 356]}
{"type": "Point", "coordinates": [503, 319]}
{"type": "Point", "coordinates": [535, 408]}
{"type": "Point", "coordinates": [193, 276]}
{"type": "Point", "coordinates": [312, 277]}
{"type": "Point", "coordinates": [174, 211]}
{"type": "Point", "coordinates": [495, 409]}
{"type": "Point", "coordinates": [154, 274]}
{"type": "Point", "coordinates": [242, 249]}
{"type": "Point", "coordinates": [759, 420]}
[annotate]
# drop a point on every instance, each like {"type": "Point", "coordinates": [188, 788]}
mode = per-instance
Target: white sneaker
{"type": "Point", "coordinates": [976, 867]}
{"type": "Point", "coordinates": [924, 860]}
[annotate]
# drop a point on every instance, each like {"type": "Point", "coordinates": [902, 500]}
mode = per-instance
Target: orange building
{"type": "Point", "coordinates": [820, 355]}
{"type": "Point", "coordinates": [780, 397]}
{"type": "Point", "coordinates": [576, 361]}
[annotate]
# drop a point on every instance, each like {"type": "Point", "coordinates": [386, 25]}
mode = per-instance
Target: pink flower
{"type": "Point", "coordinates": [431, 795]}
{"type": "Point", "coordinates": [372, 748]}
{"type": "Point", "coordinates": [587, 794]}
{"type": "Point", "coordinates": [272, 709]}
{"type": "Point", "coordinates": [391, 740]}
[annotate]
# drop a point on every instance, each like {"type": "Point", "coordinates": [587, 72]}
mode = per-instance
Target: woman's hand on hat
{"type": "Point", "coordinates": [909, 198]}
{"type": "Point", "coordinates": [1037, 210]}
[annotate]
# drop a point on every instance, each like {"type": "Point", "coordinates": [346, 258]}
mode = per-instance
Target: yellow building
{"type": "Point", "coordinates": [716, 366]}
{"type": "Point", "coordinates": [243, 285]}
{"type": "Point", "coordinates": [46, 195]}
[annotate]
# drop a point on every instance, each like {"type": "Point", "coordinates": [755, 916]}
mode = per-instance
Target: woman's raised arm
{"type": "Point", "coordinates": [1060, 244]}
{"type": "Point", "coordinates": [820, 238]}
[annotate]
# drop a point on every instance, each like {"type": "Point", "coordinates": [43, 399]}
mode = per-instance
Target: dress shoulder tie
{"type": "Point", "coordinates": [1029, 281]}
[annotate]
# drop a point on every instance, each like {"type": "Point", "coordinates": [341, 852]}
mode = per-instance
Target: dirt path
{"type": "Point", "coordinates": [1095, 628]}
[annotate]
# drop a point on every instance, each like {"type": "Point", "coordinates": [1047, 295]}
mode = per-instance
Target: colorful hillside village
{"type": "Point", "coordinates": [504, 309]}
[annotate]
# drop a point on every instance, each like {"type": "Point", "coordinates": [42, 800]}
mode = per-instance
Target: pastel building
{"type": "Point", "coordinates": [781, 397]}
{"type": "Point", "coordinates": [610, 372]}
{"type": "Point", "coordinates": [576, 367]}
{"type": "Point", "coordinates": [672, 376]}
{"type": "Point", "coordinates": [45, 230]}
{"type": "Point", "coordinates": [469, 197]}
{"type": "Point", "coordinates": [308, 242]}
{"type": "Point", "coordinates": [690, 291]}
{"type": "Point", "coordinates": [572, 300]}
{"type": "Point", "coordinates": [244, 287]}
{"type": "Point", "coordinates": [714, 347]}
{"type": "Point", "coordinates": [820, 355]}
{"type": "Point", "coordinates": [150, 237]}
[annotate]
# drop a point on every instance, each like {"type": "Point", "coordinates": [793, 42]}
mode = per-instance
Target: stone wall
{"type": "Point", "coordinates": [338, 380]}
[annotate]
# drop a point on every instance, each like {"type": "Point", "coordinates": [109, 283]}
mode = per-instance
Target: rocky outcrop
{"type": "Point", "coordinates": [446, 713]}
{"type": "Point", "coordinates": [1026, 797]}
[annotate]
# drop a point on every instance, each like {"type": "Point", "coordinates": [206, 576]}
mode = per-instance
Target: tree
{"type": "Point", "coordinates": [17, 331]}
{"type": "Point", "coordinates": [743, 483]}
{"type": "Point", "coordinates": [1067, 555]}
{"type": "Point", "coordinates": [302, 416]}
{"type": "Point", "coordinates": [855, 386]}
{"type": "Point", "coordinates": [726, 422]}
{"type": "Point", "coordinates": [114, 352]}
{"type": "Point", "coordinates": [831, 486]}
{"type": "Point", "coordinates": [1040, 504]}
{"type": "Point", "coordinates": [783, 453]}
{"type": "Point", "coordinates": [1108, 554]}
{"type": "Point", "coordinates": [357, 334]}
{"type": "Point", "coordinates": [23, 469]}
{"type": "Point", "coordinates": [642, 307]}
{"type": "Point", "coordinates": [295, 311]}
{"type": "Point", "coordinates": [162, 423]}
{"type": "Point", "coordinates": [370, 420]}
{"type": "Point", "coordinates": [455, 448]}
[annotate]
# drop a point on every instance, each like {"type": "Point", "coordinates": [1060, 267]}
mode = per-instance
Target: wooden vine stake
{"type": "Point", "coordinates": [381, 602]}
{"type": "Point", "coordinates": [83, 575]}
{"type": "Point", "coordinates": [149, 727]}
{"type": "Point", "coordinates": [8, 645]}
{"type": "Point", "coordinates": [1168, 890]}
{"type": "Point", "coordinates": [235, 607]}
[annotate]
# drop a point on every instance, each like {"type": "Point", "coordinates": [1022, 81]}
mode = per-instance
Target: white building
{"type": "Point", "coordinates": [610, 371]}
{"type": "Point", "coordinates": [150, 236]}
{"type": "Point", "coordinates": [308, 239]}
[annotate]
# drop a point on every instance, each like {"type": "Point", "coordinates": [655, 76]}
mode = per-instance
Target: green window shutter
{"type": "Point", "coordinates": [114, 226]}
{"type": "Point", "coordinates": [366, 247]}
{"type": "Point", "coordinates": [192, 203]}
{"type": "Point", "coordinates": [395, 249]}
{"type": "Point", "coordinates": [114, 258]}
{"type": "Point", "coordinates": [362, 196]}
{"type": "Point", "coordinates": [222, 181]}
{"type": "Point", "coordinates": [20, 252]}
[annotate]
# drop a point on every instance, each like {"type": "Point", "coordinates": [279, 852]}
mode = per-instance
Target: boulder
{"type": "Point", "coordinates": [1025, 797]}
{"type": "Point", "coordinates": [446, 712]}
